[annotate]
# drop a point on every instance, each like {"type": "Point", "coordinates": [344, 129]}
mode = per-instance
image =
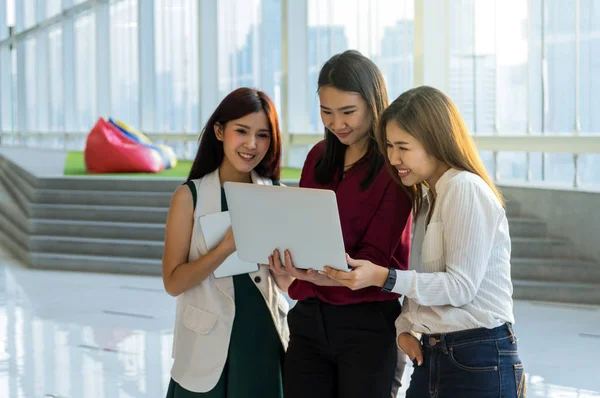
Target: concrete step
{"type": "Point", "coordinates": [91, 183]}
{"type": "Point", "coordinates": [512, 208]}
{"type": "Point", "coordinates": [98, 229]}
{"type": "Point", "coordinates": [100, 213]}
{"type": "Point", "coordinates": [555, 270]}
{"type": "Point", "coordinates": [527, 227]}
{"type": "Point", "coordinates": [98, 247]}
{"type": "Point", "coordinates": [541, 247]}
{"type": "Point", "coordinates": [578, 293]}
{"type": "Point", "coordinates": [104, 198]}
{"type": "Point", "coordinates": [15, 193]}
{"type": "Point", "coordinates": [74, 262]}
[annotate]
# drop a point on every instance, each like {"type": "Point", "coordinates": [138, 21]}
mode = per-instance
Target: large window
{"type": "Point", "coordinates": [249, 46]}
{"type": "Point", "coordinates": [380, 29]}
{"type": "Point", "coordinates": [124, 61]}
{"type": "Point", "coordinates": [176, 59]}
{"type": "Point", "coordinates": [85, 71]}
{"type": "Point", "coordinates": [528, 67]}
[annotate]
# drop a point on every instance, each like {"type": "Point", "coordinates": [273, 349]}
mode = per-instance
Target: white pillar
{"type": "Point", "coordinates": [69, 79]}
{"type": "Point", "coordinates": [295, 68]}
{"type": "Point", "coordinates": [103, 103]}
{"type": "Point", "coordinates": [209, 58]}
{"type": "Point", "coordinates": [147, 70]}
{"type": "Point", "coordinates": [432, 44]}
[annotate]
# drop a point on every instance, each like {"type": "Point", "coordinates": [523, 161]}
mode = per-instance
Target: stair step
{"type": "Point", "coordinates": [527, 227]}
{"type": "Point", "coordinates": [578, 293]}
{"type": "Point", "coordinates": [100, 213]}
{"type": "Point", "coordinates": [98, 229]}
{"type": "Point", "coordinates": [98, 247]}
{"type": "Point", "coordinates": [566, 270]}
{"type": "Point", "coordinates": [115, 184]}
{"type": "Point", "coordinates": [540, 247]}
{"type": "Point", "coordinates": [74, 262]}
{"type": "Point", "coordinates": [104, 198]}
{"type": "Point", "coordinates": [513, 208]}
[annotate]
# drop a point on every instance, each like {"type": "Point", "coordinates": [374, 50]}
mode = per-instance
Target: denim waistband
{"type": "Point", "coordinates": [467, 336]}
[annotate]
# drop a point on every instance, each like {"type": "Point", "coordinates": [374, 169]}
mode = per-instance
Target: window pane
{"type": "Point", "coordinates": [535, 67]}
{"type": "Point", "coordinates": [536, 164]}
{"type": "Point", "coordinates": [29, 7]}
{"type": "Point", "coordinates": [85, 71]}
{"type": "Point", "coordinates": [15, 96]}
{"type": "Point", "coordinates": [559, 41]}
{"type": "Point", "coordinates": [124, 60]}
{"type": "Point", "coordinates": [30, 85]}
{"type": "Point", "coordinates": [559, 167]}
{"type": "Point", "coordinates": [589, 97]}
{"type": "Point", "coordinates": [587, 168]}
{"type": "Point", "coordinates": [488, 160]}
{"type": "Point", "coordinates": [512, 166]}
{"type": "Point", "coordinates": [6, 98]}
{"type": "Point", "coordinates": [462, 48]}
{"type": "Point", "coordinates": [176, 59]}
{"type": "Point", "coordinates": [380, 29]}
{"type": "Point", "coordinates": [511, 58]}
{"type": "Point", "coordinates": [56, 119]}
{"type": "Point", "coordinates": [53, 7]}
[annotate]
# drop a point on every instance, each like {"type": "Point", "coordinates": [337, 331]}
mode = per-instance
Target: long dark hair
{"type": "Point", "coordinates": [235, 105]}
{"type": "Point", "coordinates": [351, 71]}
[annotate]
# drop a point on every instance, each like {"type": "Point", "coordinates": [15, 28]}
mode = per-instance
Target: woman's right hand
{"type": "Point", "coordinates": [228, 243]}
{"type": "Point", "coordinates": [309, 275]}
{"type": "Point", "coordinates": [411, 347]}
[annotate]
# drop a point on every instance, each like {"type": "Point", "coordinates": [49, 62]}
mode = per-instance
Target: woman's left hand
{"type": "Point", "coordinates": [364, 274]}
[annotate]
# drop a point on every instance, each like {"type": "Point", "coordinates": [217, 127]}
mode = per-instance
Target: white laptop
{"type": "Point", "coordinates": [214, 227]}
{"type": "Point", "coordinates": [305, 221]}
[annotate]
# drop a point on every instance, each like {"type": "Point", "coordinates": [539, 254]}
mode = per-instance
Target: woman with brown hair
{"type": "Point", "coordinates": [456, 323]}
{"type": "Point", "coordinates": [230, 333]}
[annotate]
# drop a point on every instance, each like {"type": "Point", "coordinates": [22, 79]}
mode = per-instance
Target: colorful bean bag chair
{"type": "Point", "coordinates": [167, 153]}
{"type": "Point", "coordinates": [109, 150]}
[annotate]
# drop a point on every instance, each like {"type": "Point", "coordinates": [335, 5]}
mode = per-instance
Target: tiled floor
{"type": "Point", "coordinates": [83, 335]}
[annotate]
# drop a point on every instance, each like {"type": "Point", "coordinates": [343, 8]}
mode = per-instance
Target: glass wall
{"type": "Point", "coordinates": [515, 67]}
{"type": "Point", "coordinates": [380, 29]}
{"type": "Point", "coordinates": [528, 67]}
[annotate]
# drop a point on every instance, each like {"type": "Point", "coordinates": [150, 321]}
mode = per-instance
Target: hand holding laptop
{"type": "Point", "coordinates": [288, 269]}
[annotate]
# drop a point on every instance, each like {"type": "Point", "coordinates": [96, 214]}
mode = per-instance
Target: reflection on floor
{"type": "Point", "coordinates": [83, 335]}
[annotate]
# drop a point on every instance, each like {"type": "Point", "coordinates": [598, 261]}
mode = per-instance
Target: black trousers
{"type": "Point", "coordinates": [343, 351]}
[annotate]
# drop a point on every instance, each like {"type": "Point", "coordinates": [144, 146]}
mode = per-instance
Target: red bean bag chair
{"type": "Point", "coordinates": [108, 150]}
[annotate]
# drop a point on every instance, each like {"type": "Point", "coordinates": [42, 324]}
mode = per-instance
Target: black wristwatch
{"type": "Point", "coordinates": [390, 282]}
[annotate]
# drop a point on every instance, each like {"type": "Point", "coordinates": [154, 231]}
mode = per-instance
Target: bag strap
{"type": "Point", "coordinates": [192, 188]}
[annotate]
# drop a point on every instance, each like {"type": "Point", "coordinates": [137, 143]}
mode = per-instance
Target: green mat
{"type": "Point", "coordinates": [75, 166]}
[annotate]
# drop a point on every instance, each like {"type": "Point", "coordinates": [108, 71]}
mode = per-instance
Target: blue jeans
{"type": "Point", "coordinates": [477, 363]}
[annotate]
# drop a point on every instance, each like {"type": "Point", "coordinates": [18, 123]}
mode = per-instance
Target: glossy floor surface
{"type": "Point", "coordinates": [84, 335]}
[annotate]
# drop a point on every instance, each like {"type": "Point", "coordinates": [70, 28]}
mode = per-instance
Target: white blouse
{"type": "Point", "coordinates": [459, 274]}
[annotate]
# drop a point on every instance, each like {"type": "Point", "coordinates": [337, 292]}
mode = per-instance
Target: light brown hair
{"type": "Point", "coordinates": [433, 119]}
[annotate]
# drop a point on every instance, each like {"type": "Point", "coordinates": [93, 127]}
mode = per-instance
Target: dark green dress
{"type": "Point", "coordinates": [253, 367]}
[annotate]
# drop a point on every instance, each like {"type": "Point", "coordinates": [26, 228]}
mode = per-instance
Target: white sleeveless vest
{"type": "Point", "coordinates": [205, 313]}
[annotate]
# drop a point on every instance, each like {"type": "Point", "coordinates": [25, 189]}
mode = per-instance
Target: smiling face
{"type": "Point", "coordinates": [345, 114]}
{"type": "Point", "coordinates": [408, 156]}
{"type": "Point", "coordinates": [245, 142]}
